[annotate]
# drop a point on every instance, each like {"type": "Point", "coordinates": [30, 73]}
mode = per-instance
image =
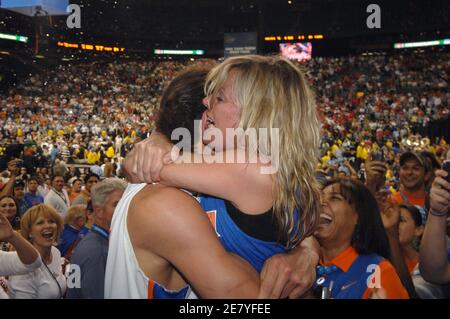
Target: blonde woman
{"type": "Point", "coordinates": [74, 229]}
{"type": "Point", "coordinates": [41, 225]}
{"type": "Point", "coordinates": [256, 215]}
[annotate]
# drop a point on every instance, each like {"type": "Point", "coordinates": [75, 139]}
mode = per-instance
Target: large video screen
{"type": "Point", "coordinates": [300, 51]}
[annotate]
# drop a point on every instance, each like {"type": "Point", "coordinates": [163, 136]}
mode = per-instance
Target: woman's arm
{"type": "Point", "coordinates": [229, 175]}
{"type": "Point", "coordinates": [11, 265]}
{"type": "Point", "coordinates": [24, 259]}
{"type": "Point", "coordinates": [434, 265]}
{"type": "Point", "coordinates": [8, 189]}
{"type": "Point", "coordinates": [216, 177]}
{"type": "Point", "coordinates": [27, 254]}
{"type": "Point", "coordinates": [23, 287]}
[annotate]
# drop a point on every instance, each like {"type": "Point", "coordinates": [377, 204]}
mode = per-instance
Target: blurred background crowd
{"type": "Point", "coordinates": [65, 128]}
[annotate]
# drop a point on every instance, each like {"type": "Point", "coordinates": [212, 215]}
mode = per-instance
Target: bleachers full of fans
{"type": "Point", "coordinates": [69, 125]}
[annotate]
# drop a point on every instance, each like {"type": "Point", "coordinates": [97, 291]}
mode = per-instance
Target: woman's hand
{"type": "Point", "coordinates": [390, 213]}
{"type": "Point", "coordinates": [145, 161]}
{"type": "Point", "coordinates": [440, 194]}
{"type": "Point", "coordinates": [375, 175]}
{"type": "Point", "coordinates": [292, 274]}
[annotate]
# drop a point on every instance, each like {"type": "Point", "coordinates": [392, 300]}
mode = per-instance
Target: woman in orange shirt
{"type": "Point", "coordinates": [354, 245]}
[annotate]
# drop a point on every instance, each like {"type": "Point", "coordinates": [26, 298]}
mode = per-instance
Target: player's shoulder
{"type": "Point", "coordinates": [158, 194]}
{"type": "Point", "coordinates": [167, 212]}
{"type": "Point", "coordinates": [161, 201]}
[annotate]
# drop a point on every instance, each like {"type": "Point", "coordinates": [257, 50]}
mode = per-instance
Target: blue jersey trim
{"type": "Point", "coordinates": [160, 292]}
{"type": "Point", "coordinates": [234, 240]}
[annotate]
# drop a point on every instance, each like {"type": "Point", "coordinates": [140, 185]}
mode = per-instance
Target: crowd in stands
{"type": "Point", "coordinates": [65, 132]}
{"type": "Point", "coordinates": [378, 104]}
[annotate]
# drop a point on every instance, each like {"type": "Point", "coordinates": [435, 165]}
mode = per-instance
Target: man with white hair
{"type": "Point", "coordinates": [91, 253]}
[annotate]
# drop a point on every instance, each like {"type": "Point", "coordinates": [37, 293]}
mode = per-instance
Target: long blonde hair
{"type": "Point", "coordinates": [272, 93]}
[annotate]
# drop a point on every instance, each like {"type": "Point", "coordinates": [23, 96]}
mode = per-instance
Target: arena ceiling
{"type": "Point", "coordinates": [180, 21]}
{"type": "Point", "coordinates": [141, 26]}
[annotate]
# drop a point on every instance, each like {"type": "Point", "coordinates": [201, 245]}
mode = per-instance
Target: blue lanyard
{"type": "Point", "coordinates": [405, 199]}
{"type": "Point", "coordinates": [100, 231]}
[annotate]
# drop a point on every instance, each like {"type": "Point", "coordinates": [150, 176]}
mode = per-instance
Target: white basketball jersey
{"type": "Point", "coordinates": [124, 279]}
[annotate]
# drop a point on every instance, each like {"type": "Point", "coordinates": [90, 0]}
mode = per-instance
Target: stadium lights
{"type": "Point", "coordinates": [14, 37]}
{"type": "Point", "coordinates": [90, 47]}
{"type": "Point", "coordinates": [421, 44]}
{"type": "Point", "coordinates": [292, 37]}
{"type": "Point", "coordinates": [180, 52]}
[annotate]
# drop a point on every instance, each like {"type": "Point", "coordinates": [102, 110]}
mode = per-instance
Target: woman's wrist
{"type": "Point", "coordinates": [437, 214]}
{"type": "Point", "coordinates": [13, 238]}
{"type": "Point", "coordinates": [311, 245]}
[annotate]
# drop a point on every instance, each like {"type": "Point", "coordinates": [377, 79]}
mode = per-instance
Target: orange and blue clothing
{"type": "Point", "coordinates": [234, 239]}
{"type": "Point", "coordinates": [407, 198]}
{"type": "Point", "coordinates": [255, 251]}
{"type": "Point", "coordinates": [70, 237]}
{"type": "Point", "coordinates": [350, 273]}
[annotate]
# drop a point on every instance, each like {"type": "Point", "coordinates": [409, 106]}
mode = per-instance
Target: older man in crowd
{"type": "Point", "coordinates": [91, 253]}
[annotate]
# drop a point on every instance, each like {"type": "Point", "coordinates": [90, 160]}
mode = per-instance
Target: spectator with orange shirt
{"type": "Point", "coordinates": [75, 189]}
{"type": "Point", "coordinates": [412, 180]}
{"type": "Point", "coordinates": [352, 238]}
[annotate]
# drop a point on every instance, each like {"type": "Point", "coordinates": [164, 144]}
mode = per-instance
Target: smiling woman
{"type": "Point", "coordinates": [354, 244]}
{"type": "Point", "coordinates": [41, 225]}
{"type": "Point", "coordinates": [9, 209]}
